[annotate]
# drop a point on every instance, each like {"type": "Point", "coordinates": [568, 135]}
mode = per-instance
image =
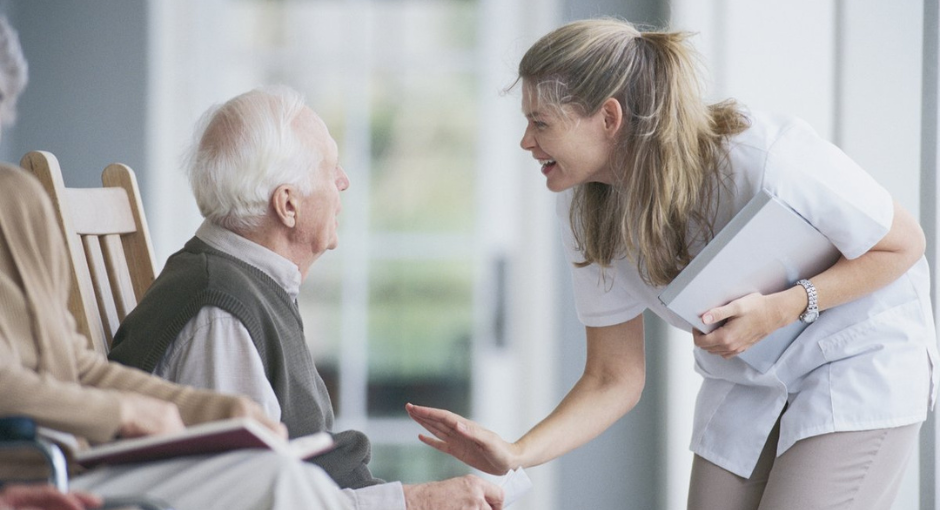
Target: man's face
{"type": "Point", "coordinates": [317, 212]}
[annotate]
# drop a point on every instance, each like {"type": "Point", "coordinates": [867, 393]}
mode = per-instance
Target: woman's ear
{"type": "Point", "coordinates": [613, 116]}
{"type": "Point", "coordinates": [284, 203]}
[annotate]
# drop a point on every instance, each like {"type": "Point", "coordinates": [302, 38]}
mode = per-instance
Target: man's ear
{"type": "Point", "coordinates": [613, 116]}
{"type": "Point", "coordinates": [284, 204]}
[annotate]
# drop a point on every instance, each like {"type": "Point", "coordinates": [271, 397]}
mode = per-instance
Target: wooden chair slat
{"type": "Point", "coordinates": [100, 211]}
{"type": "Point", "coordinates": [138, 248]}
{"type": "Point", "coordinates": [99, 278]}
{"type": "Point", "coordinates": [108, 241]}
{"type": "Point", "coordinates": [122, 288]}
{"type": "Point", "coordinates": [82, 301]}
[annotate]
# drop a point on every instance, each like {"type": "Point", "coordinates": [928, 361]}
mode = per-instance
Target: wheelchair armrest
{"type": "Point", "coordinates": [142, 502]}
{"type": "Point", "coordinates": [19, 432]}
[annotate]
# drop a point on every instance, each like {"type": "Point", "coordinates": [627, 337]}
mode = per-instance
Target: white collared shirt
{"type": "Point", "coordinates": [214, 350]}
{"type": "Point", "coordinates": [864, 365]}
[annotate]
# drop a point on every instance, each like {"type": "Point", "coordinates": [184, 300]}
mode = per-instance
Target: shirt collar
{"type": "Point", "coordinates": [284, 272]}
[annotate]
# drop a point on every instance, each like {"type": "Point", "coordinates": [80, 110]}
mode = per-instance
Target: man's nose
{"type": "Point", "coordinates": [342, 180]}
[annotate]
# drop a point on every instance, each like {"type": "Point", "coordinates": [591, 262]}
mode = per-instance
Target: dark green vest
{"type": "Point", "coordinates": [198, 276]}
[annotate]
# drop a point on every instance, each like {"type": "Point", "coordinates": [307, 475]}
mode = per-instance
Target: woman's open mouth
{"type": "Point", "coordinates": [547, 165]}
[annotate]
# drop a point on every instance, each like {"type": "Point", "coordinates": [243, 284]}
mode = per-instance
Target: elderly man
{"type": "Point", "coordinates": [223, 313]}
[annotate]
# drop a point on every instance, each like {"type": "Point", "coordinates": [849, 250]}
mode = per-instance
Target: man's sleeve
{"type": "Point", "coordinates": [386, 496]}
{"type": "Point", "coordinates": [215, 351]}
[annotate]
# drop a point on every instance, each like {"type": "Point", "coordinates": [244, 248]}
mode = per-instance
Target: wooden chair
{"type": "Point", "coordinates": [112, 266]}
{"type": "Point", "coordinates": [106, 233]}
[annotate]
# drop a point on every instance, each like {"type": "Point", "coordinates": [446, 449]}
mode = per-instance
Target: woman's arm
{"type": "Point", "coordinates": [613, 379]}
{"type": "Point", "coordinates": [755, 316]}
{"type": "Point", "coordinates": [611, 385]}
{"type": "Point", "coordinates": [86, 412]}
{"type": "Point", "coordinates": [45, 497]}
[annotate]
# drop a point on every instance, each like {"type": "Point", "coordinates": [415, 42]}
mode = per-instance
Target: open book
{"type": "Point", "coordinates": [766, 248]}
{"type": "Point", "coordinates": [211, 437]}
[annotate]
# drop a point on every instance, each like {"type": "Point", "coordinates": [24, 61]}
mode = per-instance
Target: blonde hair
{"type": "Point", "coordinates": [666, 162]}
{"type": "Point", "coordinates": [13, 71]}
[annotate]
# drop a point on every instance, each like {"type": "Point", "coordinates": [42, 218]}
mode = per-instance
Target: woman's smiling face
{"type": "Point", "coordinates": [573, 149]}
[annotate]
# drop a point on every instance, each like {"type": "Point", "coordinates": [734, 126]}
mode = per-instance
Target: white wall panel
{"type": "Point", "coordinates": [778, 56]}
{"type": "Point", "coordinates": [881, 93]}
{"type": "Point", "coordinates": [852, 69]}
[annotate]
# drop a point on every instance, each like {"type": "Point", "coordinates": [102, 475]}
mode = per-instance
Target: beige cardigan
{"type": "Point", "coordinates": [47, 370]}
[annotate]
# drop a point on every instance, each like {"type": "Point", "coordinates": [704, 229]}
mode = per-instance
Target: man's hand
{"type": "Point", "coordinates": [464, 493]}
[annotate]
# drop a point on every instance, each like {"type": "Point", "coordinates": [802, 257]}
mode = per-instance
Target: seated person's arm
{"type": "Point", "coordinates": [91, 413]}
{"type": "Point", "coordinates": [143, 404]}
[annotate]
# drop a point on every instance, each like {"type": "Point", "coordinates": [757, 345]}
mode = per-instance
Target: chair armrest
{"type": "Point", "coordinates": [19, 432]}
{"type": "Point", "coordinates": [142, 502]}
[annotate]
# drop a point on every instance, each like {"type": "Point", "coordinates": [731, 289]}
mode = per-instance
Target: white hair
{"type": "Point", "coordinates": [243, 150]}
{"type": "Point", "coordinates": [13, 71]}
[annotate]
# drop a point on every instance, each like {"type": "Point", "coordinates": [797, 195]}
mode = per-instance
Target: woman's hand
{"type": "Point", "coordinates": [465, 440]}
{"type": "Point", "coordinates": [748, 320]}
{"type": "Point", "coordinates": [45, 497]}
{"type": "Point", "coordinates": [146, 416]}
{"type": "Point", "coordinates": [244, 407]}
{"type": "Point", "coordinates": [754, 316]}
{"type": "Point", "coordinates": [611, 385]}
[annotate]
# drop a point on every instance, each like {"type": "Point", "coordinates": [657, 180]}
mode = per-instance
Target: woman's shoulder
{"type": "Point", "coordinates": [766, 128]}
{"type": "Point", "coordinates": [767, 134]}
{"type": "Point", "coordinates": [13, 174]}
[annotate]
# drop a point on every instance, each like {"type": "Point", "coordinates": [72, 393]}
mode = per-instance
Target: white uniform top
{"type": "Point", "coordinates": [863, 365]}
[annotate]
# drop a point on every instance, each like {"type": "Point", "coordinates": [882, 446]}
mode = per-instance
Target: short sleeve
{"type": "Point", "coordinates": [830, 190]}
{"type": "Point", "coordinates": [601, 298]}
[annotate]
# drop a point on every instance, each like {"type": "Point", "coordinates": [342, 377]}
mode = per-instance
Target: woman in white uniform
{"type": "Point", "coordinates": [647, 173]}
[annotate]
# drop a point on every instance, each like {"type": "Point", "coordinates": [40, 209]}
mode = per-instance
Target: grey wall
{"type": "Point", "coordinates": [643, 12]}
{"type": "Point", "coordinates": [623, 467]}
{"type": "Point", "coordinates": [85, 101]}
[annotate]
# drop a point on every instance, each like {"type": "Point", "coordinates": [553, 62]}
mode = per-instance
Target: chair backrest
{"type": "Point", "coordinates": [108, 242]}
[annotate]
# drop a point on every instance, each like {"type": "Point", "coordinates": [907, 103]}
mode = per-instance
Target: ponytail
{"type": "Point", "coordinates": [670, 155]}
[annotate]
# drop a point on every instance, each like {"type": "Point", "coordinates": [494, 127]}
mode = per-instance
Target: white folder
{"type": "Point", "coordinates": [766, 248]}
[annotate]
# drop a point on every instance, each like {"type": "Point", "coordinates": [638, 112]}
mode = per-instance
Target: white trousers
{"type": "Point", "coordinates": [241, 480]}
